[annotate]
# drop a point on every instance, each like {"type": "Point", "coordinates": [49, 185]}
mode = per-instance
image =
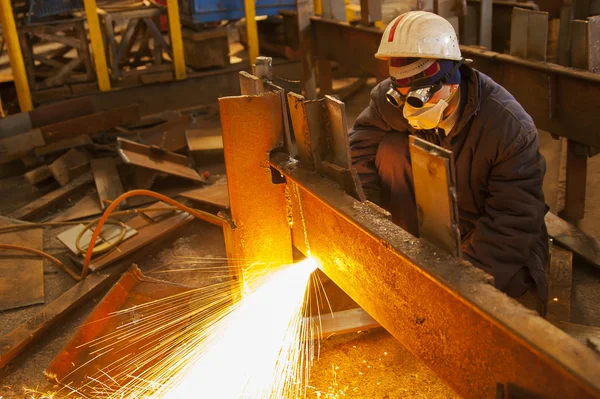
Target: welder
{"type": "Point", "coordinates": [434, 94]}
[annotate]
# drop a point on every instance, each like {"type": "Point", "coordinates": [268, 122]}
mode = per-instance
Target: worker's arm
{"type": "Point", "coordinates": [504, 238]}
{"type": "Point", "coordinates": [365, 136]}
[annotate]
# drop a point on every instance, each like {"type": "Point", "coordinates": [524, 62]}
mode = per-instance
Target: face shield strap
{"type": "Point", "coordinates": [418, 96]}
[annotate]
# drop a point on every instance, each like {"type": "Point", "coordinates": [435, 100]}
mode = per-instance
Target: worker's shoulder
{"type": "Point", "coordinates": [502, 115]}
{"type": "Point", "coordinates": [499, 104]}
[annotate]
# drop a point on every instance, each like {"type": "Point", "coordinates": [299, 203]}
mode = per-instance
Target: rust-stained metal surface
{"type": "Point", "coordinates": [252, 128]}
{"type": "Point", "coordinates": [434, 179]}
{"type": "Point", "coordinates": [443, 310]}
{"type": "Point", "coordinates": [83, 358]}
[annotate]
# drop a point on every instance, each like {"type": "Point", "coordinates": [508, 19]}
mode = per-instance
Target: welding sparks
{"type": "Point", "coordinates": [203, 342]}
{"type": "Point", "coordinates": [257, 351]}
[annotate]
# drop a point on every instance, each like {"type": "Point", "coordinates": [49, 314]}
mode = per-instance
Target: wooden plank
{"type": "Point", "coordinates": [38, 175]}
{"type": "Point", "coordinates": [145, 236]}
{"type": "Point", "coordinates": [21, 144]}
{"type": "Point", "coordinates": [197, 140]}
{"type": "Point", "coordinates": [62, 145]}
{"type": "Point", "coordinates": [108, 182]}
{"type": "Point", "coordinates": [575, 185]}
{"type": "Point", "coordinates": [560, 279]}
{"type": "Point", "coordinates": [216, 195]}
{"type": "Point", "coordinates": [70, 165]}
{"type": "Point", "coordinates": [433, 173]}
{"type": "Point", "coordinates": [161, 161]}
{"type": "Point", "coordinates": [42, 204]}
{"type": "Point", "coordinates": [91, 124]}
{"type": "Point", "coordinates": [342, 322]}
{"type": "Point", "coordinates": [21, 274]}
{"type": "Point", "coordinates": [85, 207]}
{"type": "Point", "coordinates": [571, 237]}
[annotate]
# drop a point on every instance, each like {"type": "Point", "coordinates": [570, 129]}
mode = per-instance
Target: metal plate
{"type": "Point", "coordinates": [435, 193]}
{"type": "Point", "coordinates": [21, 274]}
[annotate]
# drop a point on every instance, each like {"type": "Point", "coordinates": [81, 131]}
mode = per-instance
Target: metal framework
{"type": "Point", "coordinates": [444, 310]}
{"type": "Point", "coordinates": [561, 100]}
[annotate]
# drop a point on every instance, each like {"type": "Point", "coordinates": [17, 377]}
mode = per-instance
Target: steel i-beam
{"type": "Point", "coordinates": [444, 310]}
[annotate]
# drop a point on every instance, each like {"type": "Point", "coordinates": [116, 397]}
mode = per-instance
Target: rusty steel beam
{"type": "Point", "coordinates": [560, 100]}
{"type": "Point", "coordinates": [444, 310]}
{"type": "Point", "coordinates": [252, 127]}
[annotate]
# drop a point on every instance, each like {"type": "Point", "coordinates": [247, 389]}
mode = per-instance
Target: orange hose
{"type": "Point", "coordinates": [208, 217]}
{"type": "Point", "coordinates": [44, 255]}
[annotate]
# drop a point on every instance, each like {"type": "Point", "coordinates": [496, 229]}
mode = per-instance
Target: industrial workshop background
{"type": "Point", "coordinates": [180, 216]}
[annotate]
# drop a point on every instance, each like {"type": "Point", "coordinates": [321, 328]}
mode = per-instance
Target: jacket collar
{"type": "Point", "coordinates": [473, 82]}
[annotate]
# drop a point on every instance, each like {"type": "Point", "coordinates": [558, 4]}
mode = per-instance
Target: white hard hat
{"type": "Point", "coordinates": [419, 34]}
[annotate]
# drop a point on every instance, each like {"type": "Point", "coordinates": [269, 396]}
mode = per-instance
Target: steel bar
{"type": "Point", "coordinates": [443, 310]}
{"type": "Point", "coordinates": [561, 100]}
{"type": "Point", "coordinates": [251, 30]}
{"type": "Point", "coordinates": [176, 39]}
{"type": "Point", "coordinates": [11, 38]}
{"type": "Point", "coordinates": [93, 21]}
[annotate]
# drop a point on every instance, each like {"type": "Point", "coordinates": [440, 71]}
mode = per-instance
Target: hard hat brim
{"type": "Point", "coordinates": [387, 56]}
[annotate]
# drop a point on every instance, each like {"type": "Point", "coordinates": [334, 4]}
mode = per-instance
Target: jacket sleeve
{"type": "Point", "coordinates": [365, 136]}
{"type": "Point", "coordinates": [504, 237]}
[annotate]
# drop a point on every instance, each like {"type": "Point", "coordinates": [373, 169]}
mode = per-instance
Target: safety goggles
{"type": "Point", "coordinates": [417, 96]}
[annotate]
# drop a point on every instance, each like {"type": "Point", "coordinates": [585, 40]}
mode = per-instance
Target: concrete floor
{"type": "Point", "coordinates": [354, 365]}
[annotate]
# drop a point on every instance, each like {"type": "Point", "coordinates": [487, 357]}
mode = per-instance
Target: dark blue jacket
{"type": "Point", "coordinates": [499, 179]}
